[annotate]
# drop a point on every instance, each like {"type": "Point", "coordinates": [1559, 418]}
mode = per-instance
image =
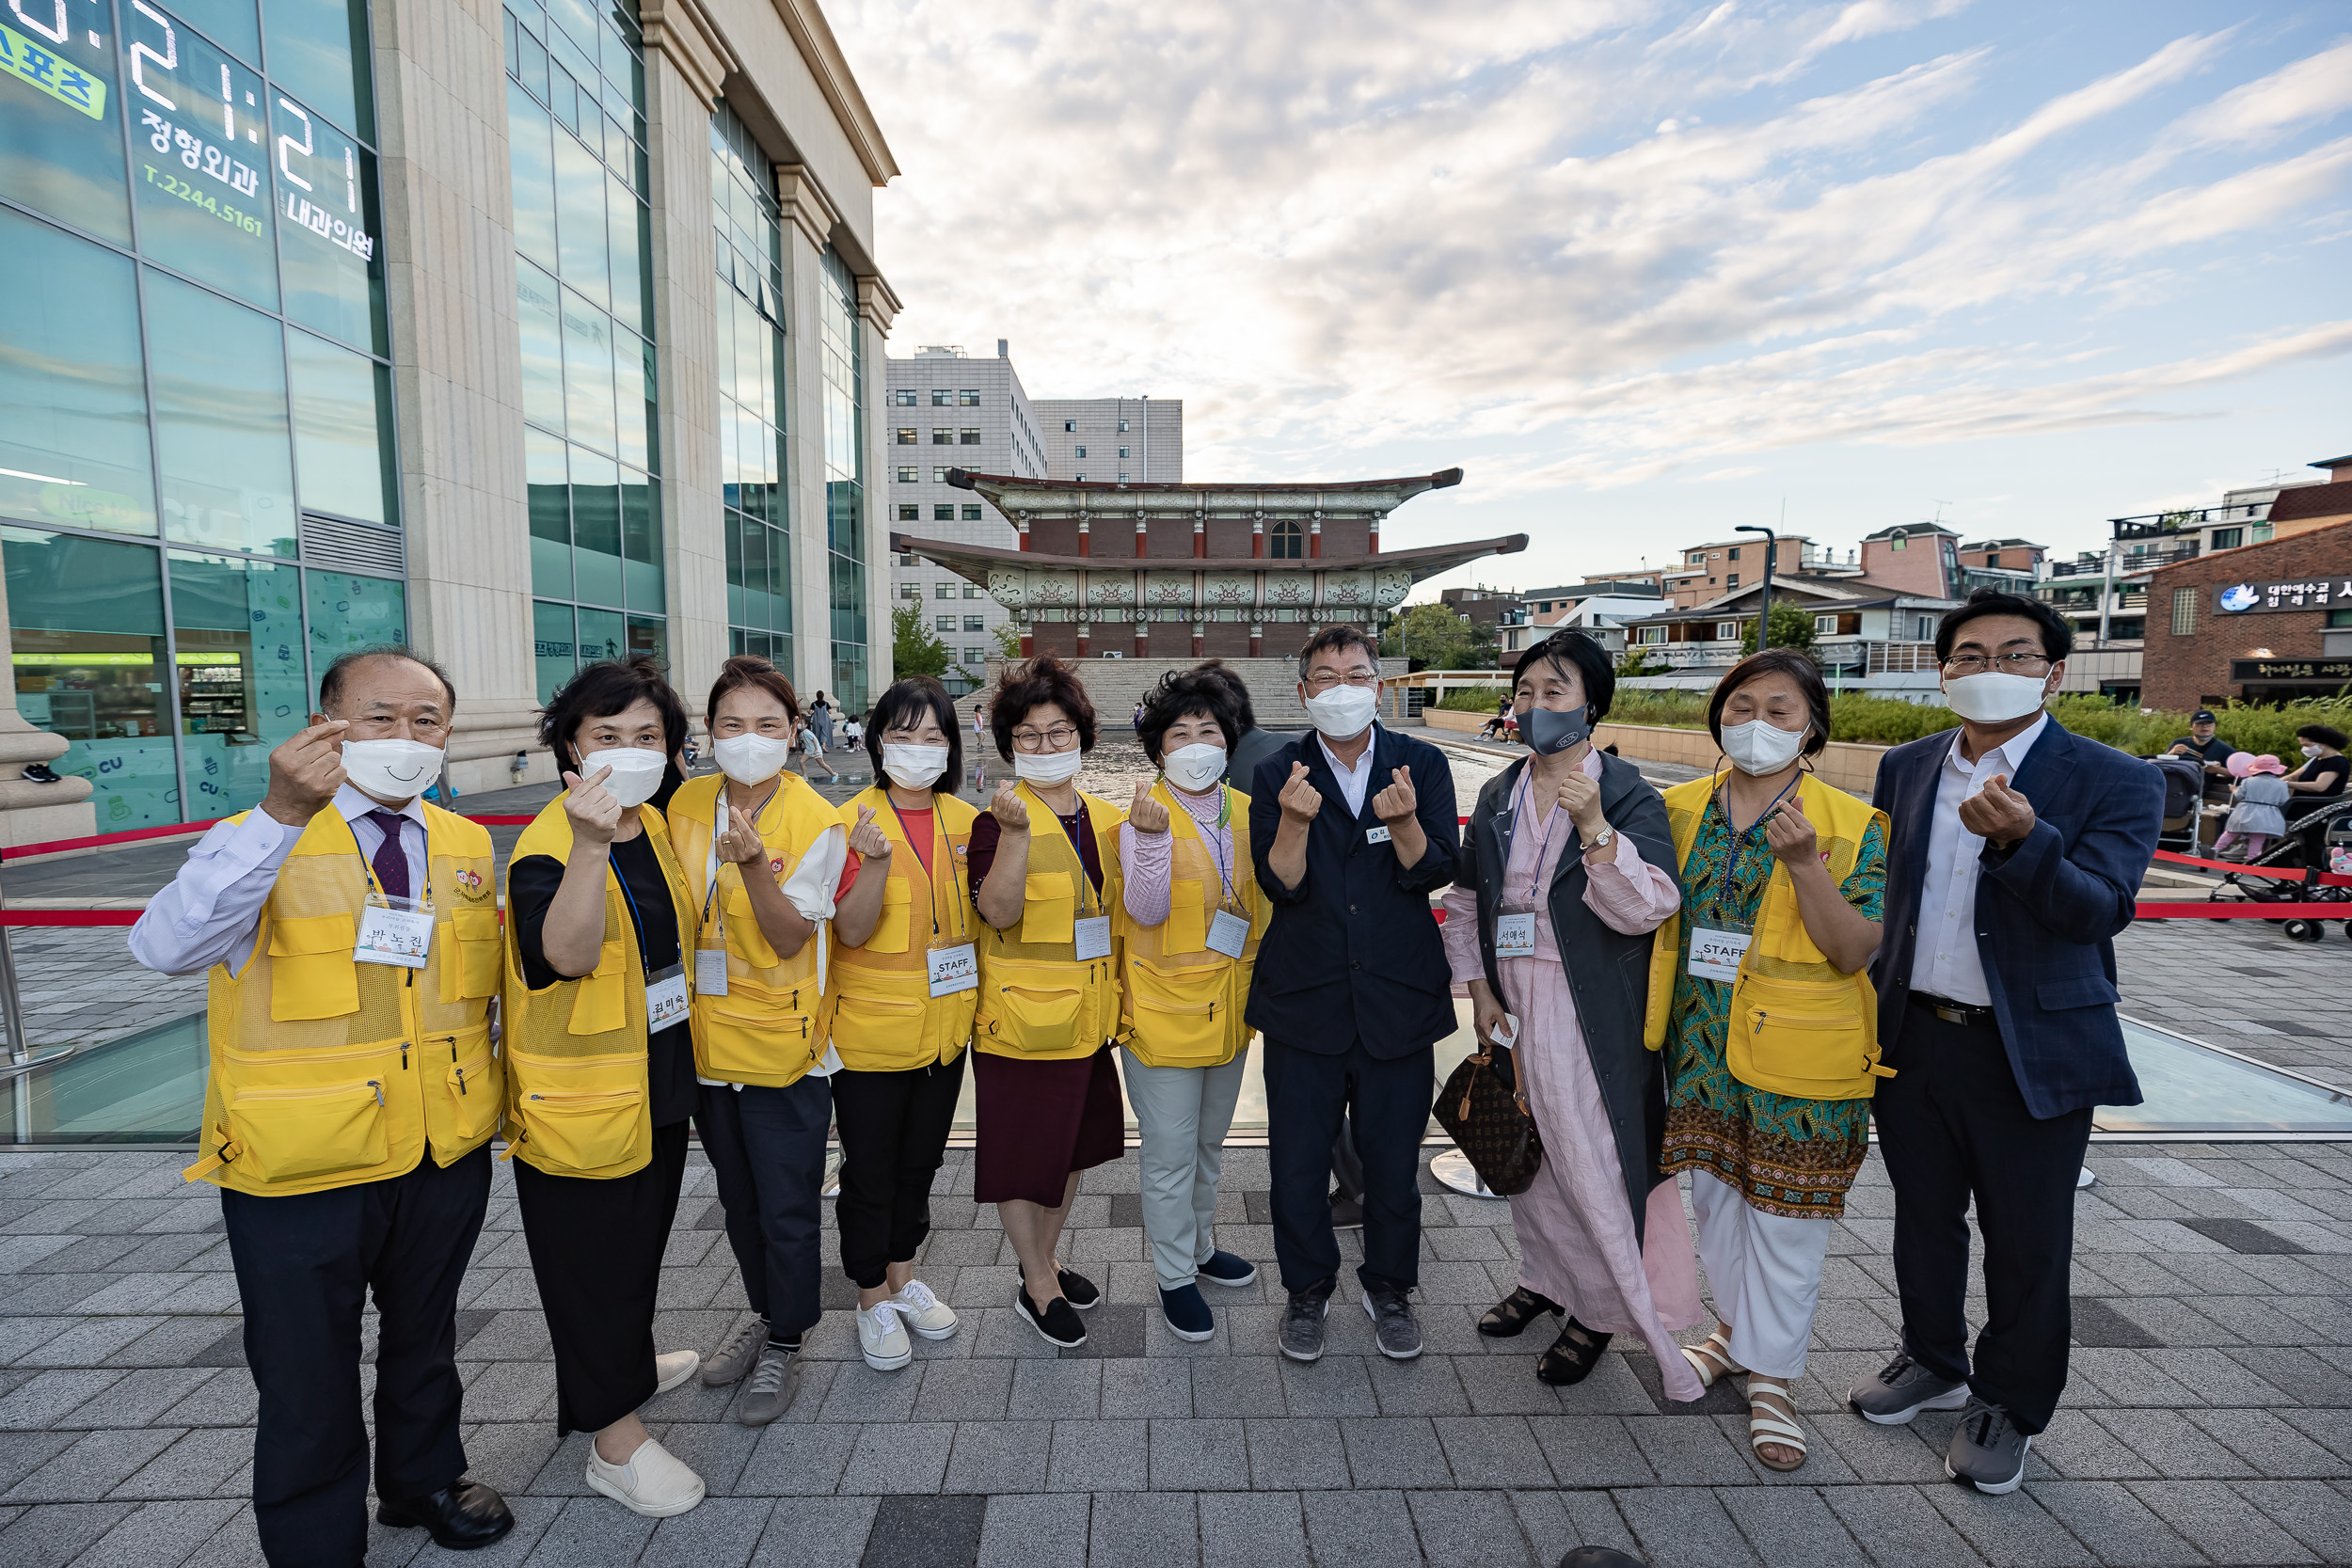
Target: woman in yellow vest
{"type": "Point", "coordinates": [1188, 920]}
{"type": "Point", "coordinates": [1045, 874]}
{"type": "Point", "coordinates": [905, 979]}
{"type": "Point", "coordinates": [600, 1065]}
{"type": "Point", "coordinates": [762, 854]}
{"type": "Point", "coordinates": [1757, 995]}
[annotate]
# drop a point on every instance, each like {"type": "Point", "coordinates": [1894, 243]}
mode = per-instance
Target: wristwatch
{"type": "Point", "coordinates": [1602, 839]}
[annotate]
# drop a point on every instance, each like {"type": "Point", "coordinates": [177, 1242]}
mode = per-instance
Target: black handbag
{"type": "Point", "coordinates": [1482, 1109]}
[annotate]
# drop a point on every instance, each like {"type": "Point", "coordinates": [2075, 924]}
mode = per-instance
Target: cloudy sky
{"type": "Point", "coordinates": [1649, 268]}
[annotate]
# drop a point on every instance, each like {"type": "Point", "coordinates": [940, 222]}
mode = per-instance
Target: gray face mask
{"type": "Point", "coordinates": [1553, 730]}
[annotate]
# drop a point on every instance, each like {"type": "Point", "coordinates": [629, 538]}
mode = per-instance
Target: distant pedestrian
{"type": "Point", "coordinates": [2254, 813]}
{"type": "Point", "coordinates": [812, 751]}
{"type": "Point", "coordinates": [820, 719]}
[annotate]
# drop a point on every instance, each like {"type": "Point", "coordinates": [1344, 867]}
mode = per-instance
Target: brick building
{"type": "Point", "coordinates": [2266, 622]}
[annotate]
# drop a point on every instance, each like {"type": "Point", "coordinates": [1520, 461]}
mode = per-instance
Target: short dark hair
{"type": "Point", "coordinates": [2327, 734]}
{"type": "Point", "coordinates": [1030, 683]}
{"type": "Point", "coordinates": [603, 689]}
{"type": "Point", "coordinates": [1181, 693]}
{"type": "Point", "coordinates": [331, 683]}
{"type": "Point", "coordinates": [2058, 633]}
{"type": "Point", "coordinates": [1245, 712]}
{"type": "Point", "coordinates": [1798, 667]}
{"type": "Point", "coordinates": [751, 670]}
{"type": "Point", "coordinates": [1583, 654]}
{"type": "Point", "coordinates": [903, 702]}
{"type": "Point", "coordinates": [1331, 639]}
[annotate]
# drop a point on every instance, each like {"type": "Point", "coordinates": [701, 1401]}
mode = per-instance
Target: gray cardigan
{"type": "Point", "coordinates": [1607, 972]}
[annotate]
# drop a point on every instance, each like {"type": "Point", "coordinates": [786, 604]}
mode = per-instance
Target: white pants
{"type": "Point", "coordinates": [1181, 1114]}
{"type": "Point", "coordinates": [1765, 1271]}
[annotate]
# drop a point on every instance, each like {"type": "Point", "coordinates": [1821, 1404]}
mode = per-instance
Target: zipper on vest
{"type": "Point", "coordinates": [461, 1079]}
{"type": "Point", "coordinates": [404, 1055]}
{"type": "Point", "coordinates": [377, 1085]}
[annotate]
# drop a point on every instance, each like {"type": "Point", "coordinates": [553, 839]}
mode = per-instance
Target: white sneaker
{"type": "Point", "coordinates": [923, 1312]}
{"type": "Point", "coordinates": [881, 1339]}
{"type": "Point", "coordinates": [674, 1369]}
{"type": "Point", "coordinates": [653, 1482]}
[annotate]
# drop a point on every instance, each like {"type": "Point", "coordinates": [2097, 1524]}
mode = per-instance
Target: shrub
{"type": "Point", "coordinates": [1473, 698]}
{"type": "Point", "coordinates": [1890, 722]}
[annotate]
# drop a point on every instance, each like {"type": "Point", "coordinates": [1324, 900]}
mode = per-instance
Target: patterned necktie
{"type": "Point", "coordinates": [392, 861]}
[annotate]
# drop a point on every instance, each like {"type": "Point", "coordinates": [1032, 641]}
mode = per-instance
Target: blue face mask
{"type": "Point", "coordinates": [1553, 730]}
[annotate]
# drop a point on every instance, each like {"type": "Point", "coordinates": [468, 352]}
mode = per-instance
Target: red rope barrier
{"type": "Point", "coordinates": [175, 829]}
{"type": "Point", "coordinates": [2157, 909]}
{"type": "Point", "coordinates": [70, 917]}
{"type": "Point", "coordinates": [2269, 872]}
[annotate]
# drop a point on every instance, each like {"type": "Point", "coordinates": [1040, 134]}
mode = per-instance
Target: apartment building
{"type": "Point", "coordinates": [1112, 440]}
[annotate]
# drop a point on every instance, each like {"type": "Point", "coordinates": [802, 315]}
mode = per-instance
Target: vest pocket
{"type": "Point", "coordinates": [312, 972]}
{"type": "Point", "coordinates": [476, 1085]}
{"type": "Point", "coordinates": [290, 1132]}
{"type": "Point", "coordinates": [893, 928]}
{"type": "Point", "coordinates": [600, 998]}
{"type": "Point", "coordinates": [580, 1117]}
{"type": "Point", "coordinates": [1176, 1024]}
{"type": "Point", "coordinates": [1033, 1007]}
{"type": "Point", "coordinates": [1802, 1038]}
{"type": "Point", "coordinates": [1187, 928]}
{"type": "Point", "coordinates": [748, 1035]}
{"type": "Point", "coordinates": [880, 1034]}
{"type": "Point", "coordinates": [474, 956]}
{"type": "Point", "coordinates": [1049, 911]}
{"type": "Point", "coordinates": [744, 933]}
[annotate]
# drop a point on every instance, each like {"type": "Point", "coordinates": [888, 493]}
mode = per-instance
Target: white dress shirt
{"type": "Point", "coordinates": [213, 910]}
{"type": "Point", "coordinates": [1946, 962]}
{"type": "Point", "coordinates": [1354, 781]}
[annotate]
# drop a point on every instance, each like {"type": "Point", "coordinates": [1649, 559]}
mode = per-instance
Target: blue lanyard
{"type": "Point", "coordinates": [1217, 856]}
{"type": "Point", "coordinates": [639, 920]}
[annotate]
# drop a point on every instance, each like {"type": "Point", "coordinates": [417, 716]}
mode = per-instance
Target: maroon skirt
{"type": "Point", "coordinates": [1040, 1121]}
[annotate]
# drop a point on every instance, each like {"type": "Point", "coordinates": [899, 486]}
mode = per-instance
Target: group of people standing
{"type": "Point", "coordinates": [1679, 982]}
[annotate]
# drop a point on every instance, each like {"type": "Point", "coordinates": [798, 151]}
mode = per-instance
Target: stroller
{"type": "Point", "coordinates": [2183, 796]}
{"type": "Point", "coordinates": [2311, 844]}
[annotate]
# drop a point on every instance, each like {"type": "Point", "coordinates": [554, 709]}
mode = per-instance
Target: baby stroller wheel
{"type": "Point", "coordinates": [2305, 930]}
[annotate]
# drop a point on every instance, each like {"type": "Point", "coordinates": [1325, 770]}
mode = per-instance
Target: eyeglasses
{"type": "Point", "coordinates": [2006, 664]}
{"type": "Point", "coordinates": [1055, 739]}
{"type": "Point", "coordinates": [1323, 680]}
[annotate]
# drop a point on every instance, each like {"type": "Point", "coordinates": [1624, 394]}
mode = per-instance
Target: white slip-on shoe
{"type": "Point", "coordinates": [653, 1482]}
{"type": "Point", "coordinates": [923, 1312]}
{"type": "Point", "coordinates": [674, 1369]}
{"type": "Point", "coordinates": [881, 1339]}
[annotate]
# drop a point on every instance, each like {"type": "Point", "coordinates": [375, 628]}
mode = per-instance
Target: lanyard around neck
{"type": "Point", "coordinates": [941, 850]}
{"type": "Point", "coordinates": [400, 847]}
{"type": "Point", "coordinates": [718, 826]}
{"type": "Point", "coordinates": [1088, 900]}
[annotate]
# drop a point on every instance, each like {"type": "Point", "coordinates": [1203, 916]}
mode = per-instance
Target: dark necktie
{"type": "Point", "coordinates": [392, 861]}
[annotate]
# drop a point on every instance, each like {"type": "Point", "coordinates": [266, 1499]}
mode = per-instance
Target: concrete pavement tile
{"type": "Point", "coordinates": [2119, 1525]}
{"type": "Point", "coordinates": [1787, 1524]}
{"type": "Point", "coordinates": [1400, 1451]}
{"type": "Point", "coordinates": [50, 1395]}
{"type": "Point", "coordinates": [715, 1451]}
{"type": "Point", "coordinates": [795, 1459]}
{"type": "Point", "coordinates": [1335, 1386]}
{"type": "Point", "coordinates": [510, 1391]}
{"type": "Point", "coordinates": [1897, 1527]}
{"type": "Point", "coordinates": [2220, 1523]}
{"type": "Point", "coordinates": [1614, 1388]}
{"type": "Point", "coordinates": [1556, 1523]}
{"type": "Point", "coordinates": [2080, 1449]}
{"type": "Point", "coordinates": [1239, 1385]}
{"type": "Point", "coordinates": [1099, 1456]}
{"type": "Point", "coordinates": [593, 1532]}
{"type": "Point", "coordinates": [191, 1467]}
{"type": "Point", "coordinates": [1194, 1455]}
{"type": "Point", "coordinates": [2300, 1376]}
{"type": "Point", "coordinates": [1296, 1455]}
{"type": "Point", "coordinates": [1590, 1451]}
{"type": "Point", "coordinates": [87, 1343]}
{"type": "Point", "coordinates": [22, 1452]}
{"type": "Point", "coordinates": [141, 1398]}
{"type": "Point", "coordinates": [721, 1533]}
{"type": "Point", "coordinates": [2318, 1515]}
{"type": "Point", "coordinates": [1497, 1386]}
{"type": "Point", "coordinates": [53, 1535]}
{"type": "Point", "coordinates": [964, 1392]}
{"type": "Point", "coordinates": [1683, 1527]}
{"type": "Point", "coordinates": [834, 1530]}
{"type": "Point", "coordinates": [503, 1455]}
{"type": "Point", "coordinates": [1138, 1388]}
{"type": "Point", "coordinates": [227, 1399]}
{"type": "Point", "coordinates": [1056, 1390]}
{"type": "Point", "coordinates": [2173, 1444]}
{"type": "Point", "coordinates": [1824, 1465]}
{"type": "Point", "coordinates": [92, 1467]}
{"type": "Point", "coordinates": [906, 1456]}
{"type": "Point", "coordinates": [1686, 1450]}
{"type": "Point", "coordinates": [1252, 1529]}
{"type": "Point", "coordinates": [859, 1393]}
{"type": "Point", "coordinates": [1424, 1386]}
{"type": "Point", "coordinates": [1469, 1530]}
{"type": "Point", "coordinates": [2014, 1531]}
{"type": "Point", "coordinates": [999, 1457]}
{"type": "Point", "coordinates": [2269, 1446]}
{"type": "Point", "coordinates": [1493, 1450]}
{"type": "Point", "coordinates": [159, 1535]}
{"type": "Point", "coordinates": [2127, 1377]}
{"type": "Point", "coordinates": [1878, 1453]}
{"type": "Point", "coordinates": [1364, 1529]}
{"type": "Point", "coordinates": [172, 1343]}
{"type": "Point", "coordinates": [2223, 1381]}
{"type": "Point", "coordinates": [1143, 1530]}
{"type": "Point", "coordinates": [1045, 1529]}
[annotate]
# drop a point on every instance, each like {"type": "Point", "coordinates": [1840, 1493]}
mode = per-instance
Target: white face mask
{"type": "Point", "coordinates": [913, 767]}
{"type": "Point", "coordinates": [1761, 746]}
{"type": "Point", "coordinates": [1194, 767]}
{"type": "Point", "coordinates": [636, 772]}
{"type": "Point", "coordinates": [1047, 768]}
{"type": "Point", "coordinates": [1345, 711]}
{"type": "Point", "coordinates": [1993, 698]}
{"type": "Point", "coordinates": [392, 770]}
{"type": "Point", "coordinates": [751, 759]}
{"type": "Point", "coordinates": [2308, 751]}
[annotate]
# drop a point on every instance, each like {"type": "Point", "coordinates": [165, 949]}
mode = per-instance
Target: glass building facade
{"type": "Point", "coordinates": [198, 506]}
{"type": "Point", "coordinates": [750, 336]}
{"type": "Point", "coordinates": [583, 285]}
{"type": "Point", "coordinates": [843, 353]}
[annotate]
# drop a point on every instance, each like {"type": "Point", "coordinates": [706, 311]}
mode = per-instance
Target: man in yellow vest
{"type": "Point", "coordinates": [352, 935]}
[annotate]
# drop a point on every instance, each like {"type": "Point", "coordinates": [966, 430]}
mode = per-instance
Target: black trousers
{"type": "Point", "coordinates": [766, 1147]}
{"type": "Point", "coordinates": [596, 1251]}
{"type": "Point", "coordinates": [894, 1135]}
{"type": "Point", "coordinates": [1386, 1102]}
{"type": "Point", "coordinates": [305, 1263]}
{"type": "Point", "coordinates": [1953, 1126]}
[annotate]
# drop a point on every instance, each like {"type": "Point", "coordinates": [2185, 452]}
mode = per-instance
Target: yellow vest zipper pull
{"type": "Point", "coordinates": [461, 1079]}
{"type": "Point", "coordinates": [404, 1055]}
{"type": "Point", "coordinates": [377, 1085]}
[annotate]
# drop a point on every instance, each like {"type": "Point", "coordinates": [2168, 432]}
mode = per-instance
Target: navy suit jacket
{"type": "Point", "coordinates": [1353, 951]}
{"type": "Point", "coordinates": [2047, 909]}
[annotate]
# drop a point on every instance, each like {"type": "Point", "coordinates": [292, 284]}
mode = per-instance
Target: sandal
{"type": "Point", "coordinates": [1771, 1424]}
{"type": "Point", "coordinates": [1712, 1360]}
{"type": "Point", "coordinates": [1510, 1316]}
{"type": "Point", "coordinates": [1572, 1356]}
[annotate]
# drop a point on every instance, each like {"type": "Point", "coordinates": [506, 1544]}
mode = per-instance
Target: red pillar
{"type": "Point", "coordinates": [1086, 540]}
{"type": "Point", "coordinates": [1257, 639]}
{"type": "Point", "coordinates": [1257, 540]}
{"type": "Point", "coordinates": [1314, 540]}
{"type": "Point", "coordinates": [1083, 631]}
{"type": "Point", "coordinates": [1200, 644]}
{"type": "Point", "coordinates": [1024, 526]}
{"type": "Point", "coordinates": [1028, 641]}
{"type": "Point", "coordinates": [1143, 638]}
{"type": "Point", "coordinates": [1376, 534]}
{"type": "Point", "coordinates": [1200, 540]}
{"type": "Point", "coordinates": [1142, 537]}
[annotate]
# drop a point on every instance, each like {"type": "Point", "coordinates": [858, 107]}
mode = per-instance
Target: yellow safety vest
{"type": "Point", "coordinates": [1038, 1000]}
{"type": "Point", "coordinates": [1798, 1026]}
{"type": "Point", "coordinates": [326, 1073]}
{"type": "Point", "coordinates": [580, 1103]}
{"type": "Point", "coordinates": [1181, 1000]}
{"type": "Point", "coordinates": [884, 1018]}
{"type": "Point", "coordinates": [767, 1029]}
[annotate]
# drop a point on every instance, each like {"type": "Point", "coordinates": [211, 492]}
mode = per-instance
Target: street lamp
{"type": "Point", "coordinates": [1764, 614]}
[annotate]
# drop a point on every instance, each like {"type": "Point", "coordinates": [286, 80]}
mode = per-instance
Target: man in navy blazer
{"type": "Point", "coordinates": [1351, 829]}
{"type": "Point", "coordinates": [2016, 855]}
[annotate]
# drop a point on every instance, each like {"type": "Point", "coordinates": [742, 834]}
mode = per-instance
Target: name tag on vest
{"type": "Point", "coordinates": [393, 936]}
{"type": "Point", "coordinates": [1094, 939]}
{"type": "Point", "coordinates": [1229, 934]}
{"type": "Point", "coordinates": [1377, 835]}
{"type": "Point", "coordinates": [953, 968]}
{"type": "Point", "coordinates": [1514, 936]}
{"type": "Point", "coordinates": [666, 999]}
{"type": "Point", "coordinates": [1715, 955]}
{"type": "Point", "coordinates": [710, 972]}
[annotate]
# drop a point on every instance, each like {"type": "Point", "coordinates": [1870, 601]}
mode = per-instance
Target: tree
{"type": "Point", "coordinates": [1007, 642]}
{"type": "Point", "coordinates": [914, 650]}
{"type": "Point", "coordinates": [1435, 637]}
{"type": "Point", "coordinates": [1792, 627]}
{"type": "Point", "coordinates": [1635, 661]}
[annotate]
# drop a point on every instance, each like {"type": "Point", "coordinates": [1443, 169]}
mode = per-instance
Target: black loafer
{"type": "Point", "coordinates": [1572, 1356]}
{"type": "Point", "coordinates": [463, 1516]}
{"type": "Point", "coordinates": [1078, 1290]}
{"type": "Point", "coordinates": [1509, 1317]}
{"type": "Point", "coordinates": [1058, 1324]}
